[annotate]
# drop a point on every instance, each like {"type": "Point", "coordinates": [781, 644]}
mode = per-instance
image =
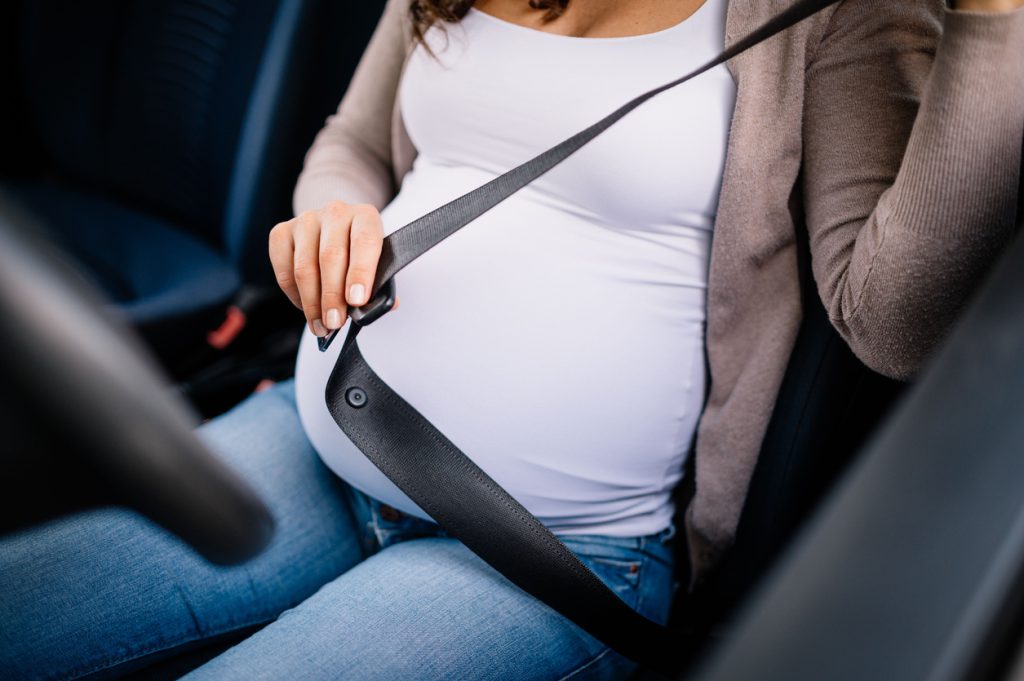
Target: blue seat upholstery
{"type": "Point", "coordinates": [159, 141]}
{"type": "Point", "coordinates": [149, 268]}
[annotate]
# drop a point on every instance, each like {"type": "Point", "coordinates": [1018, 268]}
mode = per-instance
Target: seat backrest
{"type": "Point", "coordinates": [197, 111]}
{"type": "Point", "coordinates": [308, 62]}
{"type": "Point", "coordinates": [828, 404]}
{"type": "Point", "coordinates": [143, 101]}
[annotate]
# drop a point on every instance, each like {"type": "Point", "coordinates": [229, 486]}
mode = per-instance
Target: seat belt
{"type": "Point", "coordinates": [441, 479]}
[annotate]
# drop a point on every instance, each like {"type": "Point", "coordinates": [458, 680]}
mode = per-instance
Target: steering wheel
{"type": "Point", "coordinates": [86, 419]}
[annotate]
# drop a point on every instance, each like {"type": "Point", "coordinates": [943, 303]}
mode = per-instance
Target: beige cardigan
{"type": "Point", "coordinates": [824, 113]}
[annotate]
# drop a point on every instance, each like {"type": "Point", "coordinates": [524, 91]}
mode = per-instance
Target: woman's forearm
{"type": "Point", "coordinates": [895, 259]}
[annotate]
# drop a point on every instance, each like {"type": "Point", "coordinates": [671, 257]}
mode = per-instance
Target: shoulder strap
{"type": "Point", "coordinates": [445, 482]}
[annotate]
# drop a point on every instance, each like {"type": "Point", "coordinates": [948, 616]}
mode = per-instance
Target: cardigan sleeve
{"type": "Point", "coordinates": [912, 149]}
{"type": "Point", "coordinates": [350, 159]}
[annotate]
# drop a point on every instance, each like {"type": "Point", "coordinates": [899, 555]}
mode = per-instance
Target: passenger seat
{"type": "Point", "coordinates": [159, 141]}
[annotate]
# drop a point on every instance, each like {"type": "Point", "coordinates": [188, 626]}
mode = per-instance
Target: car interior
{"type": "Point", "coordinates": [158, 143]}
{"type": "Point", "coordinates": [150, 149]}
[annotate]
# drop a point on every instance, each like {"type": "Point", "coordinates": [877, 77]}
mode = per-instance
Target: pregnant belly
{"type": "Point", "coordinates": [543, 349]}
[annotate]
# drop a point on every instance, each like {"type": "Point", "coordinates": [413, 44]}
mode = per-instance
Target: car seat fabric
{"type": "Point", "coordinates": [122, 251]}
{"type": "Point", "coordinates": [161, 140]}
{"type": "Point", "coordinates": [142, 102]}
{"type": "Point", "coordinates": [828, 405]}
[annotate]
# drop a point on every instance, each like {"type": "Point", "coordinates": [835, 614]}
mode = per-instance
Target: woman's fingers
{"type": "Point", "coordinates": [306, 268]}
{"type": "Point", "coordinates": [335, 222]}
{"type": "Point", "coordinates": [325, 260]}
{"type": "Point", "coordinates": [282, 248]}
{"type": "Point", "coordinates": [366, 239]}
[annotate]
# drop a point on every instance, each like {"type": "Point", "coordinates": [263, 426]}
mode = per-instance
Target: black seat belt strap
{"type": "Point", "coordinates": [441, 479]}
{"type": "Point", "coordinates": [472, 507]}
{"type": "Point", "coordinates": [416, 238]}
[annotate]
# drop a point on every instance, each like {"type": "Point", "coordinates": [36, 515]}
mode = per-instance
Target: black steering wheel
{"type": "Point", "coordinates": [86, 420]}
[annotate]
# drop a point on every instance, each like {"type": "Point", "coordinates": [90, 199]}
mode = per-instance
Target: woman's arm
{"type": "Point", "coordinates": [900, 240]}
{"type": "Point", "coordinates": [350, 159]}
{"type": "Point", "coordinates": [325, 258]}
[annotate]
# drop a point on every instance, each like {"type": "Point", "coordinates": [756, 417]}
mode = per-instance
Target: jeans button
{"type": "Point", "coordinates": [389, 513]}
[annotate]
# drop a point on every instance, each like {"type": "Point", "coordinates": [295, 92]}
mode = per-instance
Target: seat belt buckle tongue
{"type": "Point", "coordinates": [377, 307]}
{"type": "Point", "coordinates": [381, 303]}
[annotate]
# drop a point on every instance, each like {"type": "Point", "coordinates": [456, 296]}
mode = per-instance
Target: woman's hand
{"type": "Point", "coordinates": [326, 258]}
{"type": "Point", "coordinates": [989, 5]}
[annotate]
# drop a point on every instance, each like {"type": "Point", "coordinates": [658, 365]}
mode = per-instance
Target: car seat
{"type": "Point", "coordinates": [160, 141]}
{"type": "Point", "coordinates": [828, 405]}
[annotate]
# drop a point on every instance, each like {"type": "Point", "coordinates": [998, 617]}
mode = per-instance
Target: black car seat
{"type": "Point", "coordinates": [159, 141]}
{"type": "Point", "coordinates": [827, 406]}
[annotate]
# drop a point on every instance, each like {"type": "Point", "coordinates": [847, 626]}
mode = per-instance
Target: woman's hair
{"type": "Point", "coordinates": [425, 13]}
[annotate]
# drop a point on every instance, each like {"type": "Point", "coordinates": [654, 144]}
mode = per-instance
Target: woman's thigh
{"type": "Point", "coordinates": [431, 609]}
{"type": "Point", "coordinates": [98, 589]}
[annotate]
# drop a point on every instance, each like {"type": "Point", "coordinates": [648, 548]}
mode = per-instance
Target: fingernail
{"type": "Point", "coordinates": [333, 318]}
{"type": "Point", "coordinates": [356, 294]}
{"type": "Point", "coordinates": [318, 328]}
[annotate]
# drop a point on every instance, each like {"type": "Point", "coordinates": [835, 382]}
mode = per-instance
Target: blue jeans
{"type": "Point", "coordinates": [347, 589]}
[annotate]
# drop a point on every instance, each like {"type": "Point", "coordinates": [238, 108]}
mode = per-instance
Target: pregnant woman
{"type": "Point", "coordinates": [653, 275]}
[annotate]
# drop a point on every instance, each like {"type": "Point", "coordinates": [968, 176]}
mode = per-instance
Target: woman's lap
{"type": "Point", "coordinates": [421, 609]}
{"type": "Point", "coordinates": [95, 590]}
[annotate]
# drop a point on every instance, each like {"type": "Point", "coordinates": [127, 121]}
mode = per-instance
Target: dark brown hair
{"type": "Point", "coordinates": [425, 13]}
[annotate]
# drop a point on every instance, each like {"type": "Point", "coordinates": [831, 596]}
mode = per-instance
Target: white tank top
{"type": "Point", "coordinates": [558, 340]}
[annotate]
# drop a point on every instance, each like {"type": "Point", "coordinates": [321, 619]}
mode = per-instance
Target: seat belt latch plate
{"type": "Point", "coordinates": [382, 302]}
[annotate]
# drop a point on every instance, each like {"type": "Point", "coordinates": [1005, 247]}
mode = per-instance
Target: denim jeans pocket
{"type": "Point", "coordinates": [637, 569]}
{"type": "Point", "coordinates": [621, 575]}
